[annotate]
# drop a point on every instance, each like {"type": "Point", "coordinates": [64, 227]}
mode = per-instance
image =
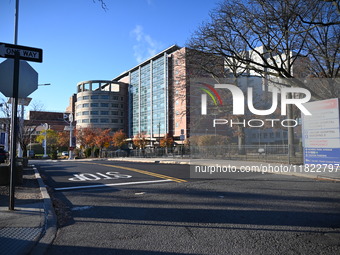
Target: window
{"type": "Point", "coordinates": [94, 120]}
{"type": "Point", "coordinates": [86, 105]}
{"type": "Point", "coordinates": [85, 97]}
{"type": "Point", "coordinates": [85, 121]}
{"type": "Point", "coordinates": [105, 97]}
{"type": "Point", "coordinates": [115, 97]}
{"type": "Point", "coordinates": [121, 98]}
{"type": "Point", "coordinates": [104, 105]}
{"type": "Point", "coordinates": [115, 105]}
{"type": "Point", "coordinates": [94, 112]}
{"type": "Point", "coordinates": [121, 106]}
{"type": "Point", "coordinates": [104, 121]}
{"type": "Point", "coordinates": [86, 113]}
{"type": "Point", "coordinates": [94, 104]}
{"type": "Point", "coordinates": [122, 121]}
{"type": "Point", "coordinates": [114, 112]}
{"type": "Point", "coordinates": [104, 112]}
{"type": "Point", "coordinates": [95, 97]}
{"type": "Point", "coordinates": [114, 120]}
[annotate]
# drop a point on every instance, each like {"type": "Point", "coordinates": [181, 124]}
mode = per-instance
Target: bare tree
{"type": "Point", "coordinates": [269, 38]}
{"type": "Point", "coordinates": [311, 13]}
{"type": "Point", "coordinates": [102, 3]}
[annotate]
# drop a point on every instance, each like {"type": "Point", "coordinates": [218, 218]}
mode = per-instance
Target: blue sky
{"type": "Point", "coordinates": [81, 41]}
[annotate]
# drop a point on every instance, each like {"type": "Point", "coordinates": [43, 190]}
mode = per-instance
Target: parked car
{"type": "Point", "coordinates": [64, 153]}
{"type": "Point", "coordinates": [3, 155]}
{"type": "Point", "coordinates": [261, 151]}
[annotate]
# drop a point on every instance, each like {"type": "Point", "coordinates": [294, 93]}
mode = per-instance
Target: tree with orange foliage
{"type": "Point", "coordinates": [85, 137]}
{"type": "Point", "coordinates": [63, 139]}
{"type": "Point", "coordinates": [119, 138]}
{"type": "Point", "coordinates": [102, 139]}
{"type": "Point", "coordinates": [140, 140]}
{"type": "Point", "coordinates": [166, 142]}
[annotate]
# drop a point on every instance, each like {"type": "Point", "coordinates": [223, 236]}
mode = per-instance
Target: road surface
{"type": "Point", "coordinates": [140, 208]}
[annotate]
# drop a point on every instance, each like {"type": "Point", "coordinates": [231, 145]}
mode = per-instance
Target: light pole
{"type": "Point", "coordinates": [45, 140]}
{"type": "Point", "coordinates": [70, 154]}
{"type": "Point", "coordinates": [159, 134]}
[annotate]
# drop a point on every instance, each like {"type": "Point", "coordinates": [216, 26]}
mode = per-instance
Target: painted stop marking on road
{"type": "Point", "coordinates": [99, 176]}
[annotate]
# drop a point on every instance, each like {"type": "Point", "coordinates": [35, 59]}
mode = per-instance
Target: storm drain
{"type": "Point", "coordinates": [17, 240]}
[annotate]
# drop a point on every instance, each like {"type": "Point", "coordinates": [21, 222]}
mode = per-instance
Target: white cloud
{"type": "Point", "coordinates": [145, 46]}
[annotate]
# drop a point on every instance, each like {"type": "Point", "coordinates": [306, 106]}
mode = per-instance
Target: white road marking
{"type": "Point", "coordinates": [110, 184]}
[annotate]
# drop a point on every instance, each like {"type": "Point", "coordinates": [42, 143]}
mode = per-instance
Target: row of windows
{"type": "Point", "coordinates": [102, 121]}
{"type": "Point", "coordinates": [114, 105]}
{"type": "Point", "coordinates": [99, 112]}
{"type": "Point", "coordinates": [100, 97]}
{"type": "Point", "coordinates": [268, 135]}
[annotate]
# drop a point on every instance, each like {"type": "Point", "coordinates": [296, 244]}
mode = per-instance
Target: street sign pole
{"type": "Point", "coordinates": [14, 127]}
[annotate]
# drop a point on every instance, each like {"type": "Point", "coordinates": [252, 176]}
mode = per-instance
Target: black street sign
{"type": "Point", "coordinates": [25, 53]}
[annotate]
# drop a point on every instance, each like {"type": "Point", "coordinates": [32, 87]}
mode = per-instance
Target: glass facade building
{"type": "Point", "coordinates": [149, 98]}
{"type": "Point", "coordinates": [149, 86]}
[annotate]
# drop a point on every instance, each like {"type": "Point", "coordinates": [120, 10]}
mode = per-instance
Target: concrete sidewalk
{"type": "Point", "coordinates": [32, 226]}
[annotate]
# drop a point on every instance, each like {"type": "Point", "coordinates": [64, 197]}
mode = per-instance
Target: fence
{"type": "Point", "coordinates": [264, 153]}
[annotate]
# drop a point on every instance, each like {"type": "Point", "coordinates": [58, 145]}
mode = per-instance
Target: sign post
{"type": "Point", "coordinates": [17, 52]}
{"type": "Point", "coordinates": [14, 127]}
{"type": "Point", "coordinates": [25, 53]}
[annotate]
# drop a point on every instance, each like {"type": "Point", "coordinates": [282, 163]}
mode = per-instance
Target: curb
{"type": "Point", "coordinates": [50, 227]}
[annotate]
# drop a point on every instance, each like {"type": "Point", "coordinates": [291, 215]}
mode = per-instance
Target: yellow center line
{"type": "Point", "coordinates": [140, 171]}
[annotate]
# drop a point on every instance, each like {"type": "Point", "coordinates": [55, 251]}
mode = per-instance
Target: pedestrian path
{"type": "Point", "coordinates": [31, 226]}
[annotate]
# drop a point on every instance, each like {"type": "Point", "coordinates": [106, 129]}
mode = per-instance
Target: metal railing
{"type": "Point", "coordinates": [265, 153]}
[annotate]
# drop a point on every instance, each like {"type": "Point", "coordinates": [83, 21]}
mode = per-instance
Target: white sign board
{"type": "Point", "coordinates": [321, 132]}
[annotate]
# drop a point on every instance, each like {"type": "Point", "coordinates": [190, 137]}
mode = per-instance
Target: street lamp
{"type": "Point", "coordinates": [159, 134]}
{"type": "Point", "coordinates": [45, 140]}
{"type": "Point", "coordinates": [70, 118]}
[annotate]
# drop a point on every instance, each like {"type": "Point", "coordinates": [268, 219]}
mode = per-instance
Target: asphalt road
{"type": "Point", "coordinates": [135, 208]}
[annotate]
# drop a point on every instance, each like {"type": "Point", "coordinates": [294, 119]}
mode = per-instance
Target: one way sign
{"type": "Point", "coordinates": [26, 53]}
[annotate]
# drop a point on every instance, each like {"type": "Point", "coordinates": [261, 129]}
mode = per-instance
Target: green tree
{"type": "Point", "coordinates": [51, 141]}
